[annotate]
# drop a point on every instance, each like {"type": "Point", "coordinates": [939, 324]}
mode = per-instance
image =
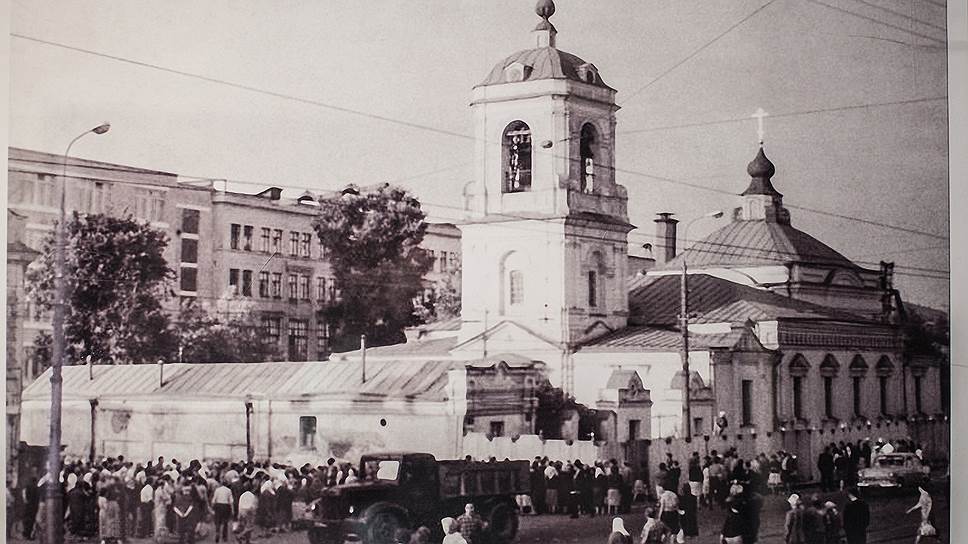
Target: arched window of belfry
{"type": "Point", "coordinates": [517, 157]}
{"type": "Point", "coordinates": [588, 152]}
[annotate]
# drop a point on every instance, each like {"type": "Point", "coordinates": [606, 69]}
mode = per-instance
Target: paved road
{"type": "Point", "coordinates": [889, 524]}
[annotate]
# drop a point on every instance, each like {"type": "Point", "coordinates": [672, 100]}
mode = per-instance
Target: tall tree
{"type": "Point", "coordinates": [116, 279]}
{"type": "Point", "coordinates": [373, 242]}
{"type": "Point", "coordinates": [221, 337]}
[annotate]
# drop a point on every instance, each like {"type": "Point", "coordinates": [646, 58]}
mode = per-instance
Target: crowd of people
{"type": "Point", "coordinates": [115, 499]}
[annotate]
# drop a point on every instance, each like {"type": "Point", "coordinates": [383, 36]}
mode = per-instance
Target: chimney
{"type": "Point", "coordinates": [665, 238]}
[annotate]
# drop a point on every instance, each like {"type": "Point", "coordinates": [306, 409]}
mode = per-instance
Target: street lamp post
{"type": "Point", "coordinates": [684, 323]}
{"type": "Point", "coordinates": [55, 517]}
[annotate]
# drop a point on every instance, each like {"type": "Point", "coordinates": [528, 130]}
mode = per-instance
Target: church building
{"type": "Point", "coordinates": [791, 344]}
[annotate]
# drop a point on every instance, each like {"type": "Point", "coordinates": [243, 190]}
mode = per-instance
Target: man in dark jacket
{"type": "Point", "coordinates": [825, 464]}
{"type": "Point", "coordinates": [857, 516]}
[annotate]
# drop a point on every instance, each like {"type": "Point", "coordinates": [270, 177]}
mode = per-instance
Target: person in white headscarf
{"type": "Point", "coordinates": [794, 521]}
{"type": "Point", "coordinates": [619, 534]}
{"type": "Point", "coordinates": [451, 534]}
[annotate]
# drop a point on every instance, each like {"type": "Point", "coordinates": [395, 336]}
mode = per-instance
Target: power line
{"type": "Point", "coordinates": [249, 88]}
{"type": "Point", "coordinates": [432, 129]}
{"type": "Point", "coordinates": [877, 21]}
{"type": "Point", "coordinates": [902, 15]}
{"type": "Point", "coordinates": [697, 51]}
{"type": "Point", "coordinates": [785, 114]}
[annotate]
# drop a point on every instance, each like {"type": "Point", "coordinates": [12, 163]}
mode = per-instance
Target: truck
{"type": "Point", "coordinates": [408, 490]}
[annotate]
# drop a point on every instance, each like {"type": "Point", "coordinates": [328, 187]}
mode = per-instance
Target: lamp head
{"type": "Point", "coordinates": [716, 214]}
{"type": "Point", "coordinates": [102, 128]}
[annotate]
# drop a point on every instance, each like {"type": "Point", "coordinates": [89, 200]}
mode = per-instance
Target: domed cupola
{"type": "Point", "coordinates": [761, 201]}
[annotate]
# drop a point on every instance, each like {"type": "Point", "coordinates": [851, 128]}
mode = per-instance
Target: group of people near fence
{"type": "Point", "coordinates": [114, 499]}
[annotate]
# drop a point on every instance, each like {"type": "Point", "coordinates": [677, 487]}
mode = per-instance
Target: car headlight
{"type": "Point", "coordinates": [890, 474]}
{"type": "Point", "coordinates": [351, 509]}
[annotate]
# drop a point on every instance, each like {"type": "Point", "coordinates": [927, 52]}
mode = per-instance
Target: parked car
{"type": "Point", "coordinates": [894, 471]}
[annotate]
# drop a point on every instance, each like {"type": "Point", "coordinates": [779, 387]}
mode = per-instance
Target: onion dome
{"type": "Point", "coordinates": [761, 170]}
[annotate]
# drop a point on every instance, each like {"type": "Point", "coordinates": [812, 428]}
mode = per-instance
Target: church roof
{"type": "Point", "coordinates": [716, 300]}
{"type": "Point", "coordinates": [428, 347]}
{"type": "Point", "coordinates": [648, 338]}
{"type": "Point", "coordinates": [385, 379]}
{"type": "Point", "coordinates": [547, 63]}
{"type": "Point", "coordinates": [745, 243]}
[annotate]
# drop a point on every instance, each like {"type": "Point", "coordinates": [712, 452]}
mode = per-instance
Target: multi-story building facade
{"type": "Point", "coordinates": [233, 253]}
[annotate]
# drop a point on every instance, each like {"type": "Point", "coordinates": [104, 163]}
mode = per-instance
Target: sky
{"type": "Point", "coordinates": [856, 89]}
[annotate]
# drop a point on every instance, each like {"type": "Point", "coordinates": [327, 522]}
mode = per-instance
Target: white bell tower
{"type": "Point", "coordinates": [545, 242]}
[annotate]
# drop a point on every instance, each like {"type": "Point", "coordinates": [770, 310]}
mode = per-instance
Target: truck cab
{"type": "Point", "coordinates": [407, 490]}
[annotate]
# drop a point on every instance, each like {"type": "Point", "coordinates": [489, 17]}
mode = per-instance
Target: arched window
{"type": "Point", "coordinates": [884, 369]}
{"type": "Point", "coordinates": [858, 368]}
{"type": "Point", "coordinates": [588, 148]}
{"type": "Point", "coordinates": [515, 287]}
{"type": "Point", "coordinates": [595, 275]}
{"type": "Point", "coordinates": [517, 157]}
{"type": "Point", "coordinates": [798, 371]}
{"type": "Point", "coordinates": [828, 370]}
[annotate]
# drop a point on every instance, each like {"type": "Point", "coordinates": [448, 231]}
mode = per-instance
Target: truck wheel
{"type": "Point", "coordinates": [502, 524]}
{"type": "Point", "coordinates": [381, 528]}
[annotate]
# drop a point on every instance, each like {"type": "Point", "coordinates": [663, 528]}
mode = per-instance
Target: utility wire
{"type": "Point", "coordinates": [688, 57]}
{"type": "Point", "coordinates": [785, 114]}
{"type": "Point", "coordinates": [902, 15]}
{"type": "Point", "coordinates": [877, 21]}
{"type": "Point", "coordinates": [432, 129]}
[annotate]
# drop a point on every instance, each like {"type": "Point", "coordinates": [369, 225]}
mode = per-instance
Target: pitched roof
{"type": "Point", "coordinates": [655, 300]}
{"type": "Point", "coordinates": [620, 379]}
{"type": "Point", "coordinates": [429, 347]}
{"type": "Point", "coordinates": [645, 338]}
{"type": "Point", "coordinates": [386, 379]}
{"type": "Point", "coordinates": [545, 63]}
{"type": "Point", "coordinates": [757, 243]}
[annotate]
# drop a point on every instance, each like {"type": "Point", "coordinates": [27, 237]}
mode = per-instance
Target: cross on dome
{"type": "Point", "coordinates": [759, 114]}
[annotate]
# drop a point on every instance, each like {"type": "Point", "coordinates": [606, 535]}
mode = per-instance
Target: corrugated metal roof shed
{"type": "Point", "coordinates": [388, 379]}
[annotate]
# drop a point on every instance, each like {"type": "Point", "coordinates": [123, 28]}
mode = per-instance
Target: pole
{"type": "Point", "coordinates": [55, 499]}
{"type": "Point", "coordinates": [684, 320]}
{"type": "Point", "coordinates": [93, 451]}
{"type": "Point", "coordinates": [363, 355]}
{"type": "Point", "coordinates": [249, 454]}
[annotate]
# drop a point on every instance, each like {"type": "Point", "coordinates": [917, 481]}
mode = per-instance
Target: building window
{"type": "Point", "coordinates": [264, 237]}
{"type": "Point", "coordinates": [443, 261]}
{"type": "Point", "coordinates": [497, 428]}
{"type": "Point", "coordinates": [828, 397]}
{"type": "Point", "coordinates": [263, 284]}
{"type": "Point", "coordinates": [433, 259]}
{"type": "Point", "coordinates": [294, 243]}
{"type": "Point", "coordinates": [517, 158]}
{"type": "Point", "coordinates": [321, 289]}
{"type": "Point", "coordinates": [276, 285]}
{"type": "Point", "coordinates": [592, 288]}
{"type": "Point", "coordinates": [307, 241]}
{"type": "Point", "coordinates": [304, 287]}
{"type": "Point", "coordinates": [322, 249]}
{"type": "Point", "coordinates": [247, 238]}
{"type": "Point", "coordinates": [190, 220]}
{"type": "Point", "coordinates": [298, 329]}
{"type": "Point", "coordinates": [234, 281]}
{"type": "Point", "coordinates": [747, 402]}
{"type": "Point", "coordinates": [293, 286]}
{"type": "Point", "coordinates": [272, 329]}
{"type": "Point", "coordinates": [697, 426]}
{"type": "Point", "coordinates": [322, 340]}
{"type": "Point", "coordinates": [39, 191]}
{"type": "Point", "coordinates": [798, 397]}
{"type": "Point", "coordinates": [188, 280]}
{"type": "Point", "coordinates": [307, 432]}
{"type": "Point", "coordinates": [917, 395]}
{"type": "Point", "coordinates": [234, 232]}
{"type": "Point", "coordinates": [883, 383]}
{"type": "Point", "coordinates": [91, 197]}
{"type": "Point", "coordinates": [634, 426]}
{"type": "Point", "coordinates": [589, 139]}
{"type": "Point", "coordinates": [453, 261]}
{"type": "Point", "coordinates": [333, 291]}
{"type": "Point", "coordinates": [516, 288]}
{"type": "Point", "coordinates": [277, 240]}
{"type": "Point", "coordinates": [246, 283]}
{"type": "Point", "coordinates": [150, 205]}
{"type": "Point", "coordinates": [189, 250]}
{"type": "Point", "coordinates": [857, 391]}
